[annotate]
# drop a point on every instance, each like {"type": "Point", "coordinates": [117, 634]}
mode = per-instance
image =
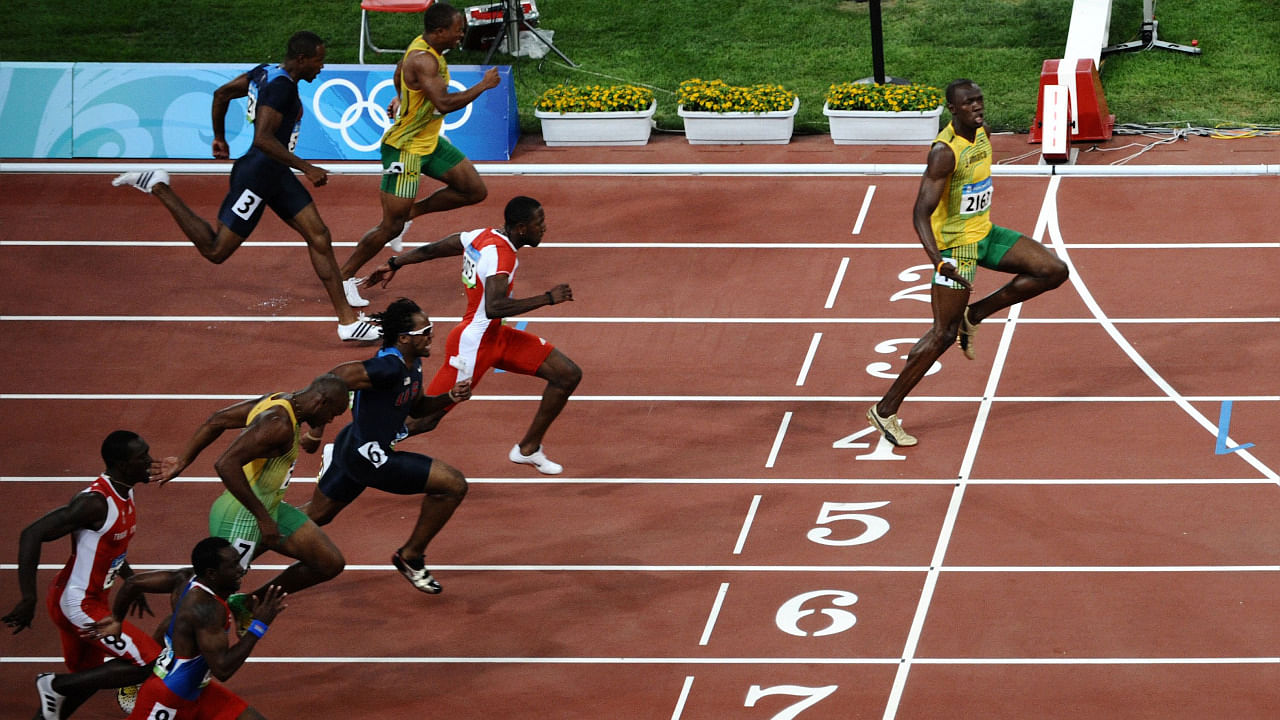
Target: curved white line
{"type": "Point", "coordinates": [1050, 218]}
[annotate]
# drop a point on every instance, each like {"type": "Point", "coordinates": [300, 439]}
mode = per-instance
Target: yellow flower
{"type": "Point", "coordinates": [716, 96]}
{"type": "Point", "coordinates": [594, 98]}
{"type": "Point", "coordinates": [896, 98]}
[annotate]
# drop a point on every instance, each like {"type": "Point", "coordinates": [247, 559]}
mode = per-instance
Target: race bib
{"type": "Point", "coordinates": [113, 571]}
{"type": "Point", "coordinates": [245, 549]}
{"type": "Point", "coordinates": [374, 453]}
{"type": "Point", "coordinates": [975, 197]}
{"type": "Point", "coordinates": [246, 204]}
{"type": "Point", "coordinates": [469, 260]}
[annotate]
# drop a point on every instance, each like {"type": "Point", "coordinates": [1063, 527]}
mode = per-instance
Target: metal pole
{"type": "Point", "coordinates": [877, 43]}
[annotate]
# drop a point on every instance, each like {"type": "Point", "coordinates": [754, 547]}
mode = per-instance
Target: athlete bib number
{"type": "Point", "coordinates": [975, 197]}
{"type": "Point", "coordinates": [246, 204]}
{"type": "Point", "coordinates": [374, 453]}
{"type": "Point", "coordinates": [113, 571]}
{"type": "Point", "coordinates": [469, 267]}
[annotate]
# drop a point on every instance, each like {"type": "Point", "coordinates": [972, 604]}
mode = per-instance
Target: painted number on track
{"type": "Point", "coordinates": [809, 696]}
{"type": "Point", "coordinates": [793, 611]}
{"type": "Point", "coordinates": [873, 527]}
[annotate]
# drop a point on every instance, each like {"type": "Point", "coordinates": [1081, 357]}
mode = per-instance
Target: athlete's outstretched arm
{"type": "Point", "coordinates": [228, 418]}
{"type": "Point", "coordinates": [450, 246]}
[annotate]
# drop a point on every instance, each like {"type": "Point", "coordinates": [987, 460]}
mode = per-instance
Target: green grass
{"type": "Point", "coordinates": [804, 44]}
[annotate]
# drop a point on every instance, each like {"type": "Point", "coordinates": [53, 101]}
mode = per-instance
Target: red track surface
{"type": "Point", "coordinates": [1095, 557]}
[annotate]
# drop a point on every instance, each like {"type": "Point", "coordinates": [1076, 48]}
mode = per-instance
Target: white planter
{"type": "Point", "coordinates": [626, 127]}
{"type": "Point", "coordinates": [882, 127]}
{"type": "Point", "coordinates": [739, 128]}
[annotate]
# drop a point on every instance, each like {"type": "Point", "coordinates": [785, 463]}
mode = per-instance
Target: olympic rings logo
{"type": "Point", "coordinates": [377, 112]}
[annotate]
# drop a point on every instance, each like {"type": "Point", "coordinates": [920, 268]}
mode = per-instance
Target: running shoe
{"type": "Point", "coordinates": [419, 577]}
{"type": "Point", "coordinates": [397, 243]}
{"type": "Point", "coordinates": [127, 697]}
{"type": "Point", "coordinates": [144, 181]}
{"type": "Point", "coordinates": [537, 459]}
{"type": "Point", "coordinates": [238, 603]}
{"type": "Point", "coordinates": [968, 335]}
{"type": "Point", "coordinates": [890, 427]}
{"type": "Point", "coordinates": [50, 699]}
{"type": "Point", "coordinates": [351, 288]}
{"type": "Point", "coordinates": [363, 329]}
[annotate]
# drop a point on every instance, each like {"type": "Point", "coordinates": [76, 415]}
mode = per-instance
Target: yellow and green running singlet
{"type": "Point", "coordinates": [270, 476]}
{"type": "Point", "coordinates": [417, 128]}
{"type": "Point", "coordinates": [963, 215]}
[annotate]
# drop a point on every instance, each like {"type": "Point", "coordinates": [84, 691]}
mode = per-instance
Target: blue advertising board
{"type": "Point", "coordinates": [160, 110]}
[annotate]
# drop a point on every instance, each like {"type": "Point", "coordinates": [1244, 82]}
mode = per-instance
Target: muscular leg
{"type": "Point", "coordinates": [318, 560]}
{"type": "Point", "coordinates": [948, 304]}
{"type": "Point", "coordinates": [444, 490]}
{"type": "Point", "coordinates": [562, 376]}
{"type": "Point", "coordinates": [1037, 271]}
{"type": "Point", "coordinates": [395, 211]}
{"type": "Point", "coordinates": [79, 687]}
{"type": "Point", "coordinates": [215, 245]}
{"type": "Point", "coordinates": [321, 509]}
{"type": "Point", "coordinates": [312, 229]}
{"type": "Point", "coordinates": [463, 186]}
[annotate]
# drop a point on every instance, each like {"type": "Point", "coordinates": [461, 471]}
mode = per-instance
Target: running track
{"type": "Point", "coordinates": [1072, 537]}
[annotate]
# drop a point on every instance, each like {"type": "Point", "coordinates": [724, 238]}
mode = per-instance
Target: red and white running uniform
{"type": "Point", "coordinates": [78, 596]}
{"type": "Point", "coordinates": [480, 342]}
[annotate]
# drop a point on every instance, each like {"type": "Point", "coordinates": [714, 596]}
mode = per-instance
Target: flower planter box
{"type": "Point", "coordinates": [739, 128]}
{"type": "Point", "coordinates": [625, 127]}
{"type": "Point", "coordinates": [882, 127]}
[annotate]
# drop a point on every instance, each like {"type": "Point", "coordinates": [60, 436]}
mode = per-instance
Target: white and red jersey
{"type": "Point", "coordinates": [96, 556]}
{"type": "Point", "coordinates": [485, 252]}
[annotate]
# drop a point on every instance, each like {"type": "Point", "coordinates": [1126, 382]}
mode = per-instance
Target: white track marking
{"type": "Point", "coordinates": [684, 696]}
{"type": "Point", "coordinates": [777, 440]}
{"type": "Point", "coordinates": [866, 205]}
{"type": "Point", "coordinates": [780, 569]}
{"type": "Point", "coordinates": [808, 359]}
{"type": "Point", "coordinates": [835, 283]}
{"type": "Point", "coordinates": [746, 525]}
{"type": "Point", "coordinates": [1055, 234]}
{"type": "Point", "coordinates": [604, 320]}
{"type": "Point", "coordinates": [966, 467]}
{"type": "Point", "coordinates": [715, 613]}
{"type": "Point", "coordinates": [838, 482]}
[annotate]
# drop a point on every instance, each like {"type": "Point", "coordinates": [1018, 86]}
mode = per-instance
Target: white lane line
{"type": "Point", "coordinates": [835, 283]}
{"type": "Point", "coordinates": [715, 613]}
{"type": "Point", "coordinates": [808, 359]}
{"type": "Point", "coordinates": [584, 660]}
{"type": "Point", "coordinates": [903, 569]}
{"type": "Point", "coordinates": [866, 205]}
{"type": "Point", "coordinates": [746, 525]}
{"type": "Point", "coordinates": [777, 440]}
{"type": "Point", "coordinates": [966, 468]}
{"type": "Point", "coordinates": [727, 245]}
{"type": "Point", "coordinates": [1152, 482]}
{"type": "Point", "coordinates": [684, 696]}
{"type": "Point", "coordinates": [699, 398]}
{"type": "Point", "coordinates": [643, 320]}
{"type": "Point", "coordinates": [1055, 234]}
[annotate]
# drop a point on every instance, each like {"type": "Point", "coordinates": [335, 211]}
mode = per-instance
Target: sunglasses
{"type": "Point", "coordinates": [424, 330]}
